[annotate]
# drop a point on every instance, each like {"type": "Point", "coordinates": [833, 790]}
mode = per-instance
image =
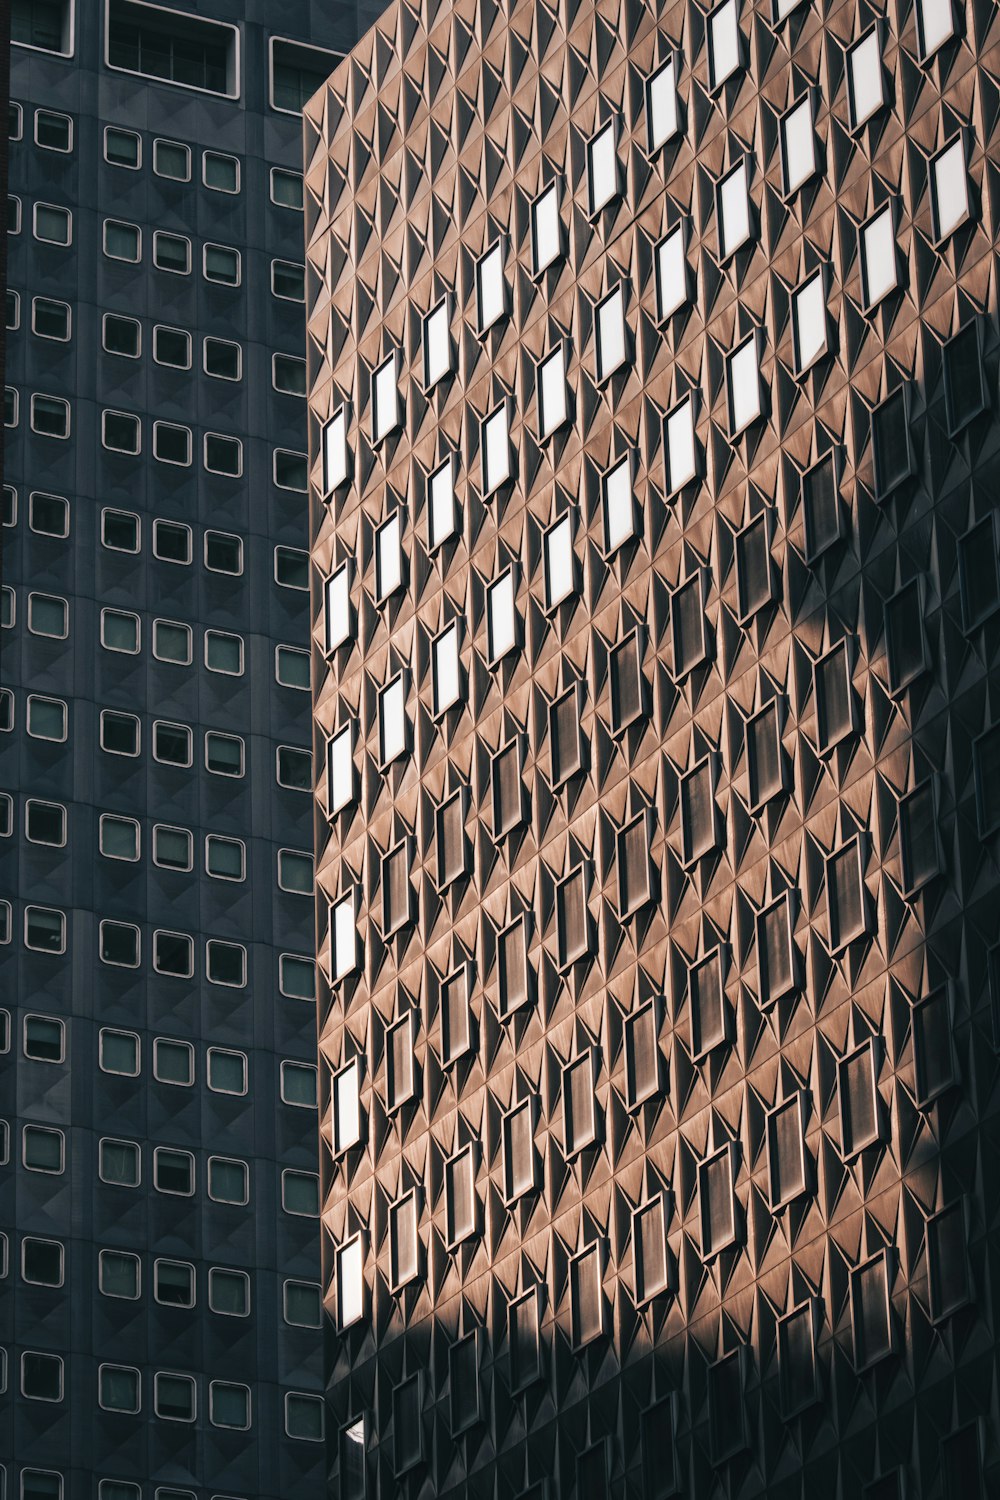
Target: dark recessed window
{"type": "Point", "coordinates": [933, 1047]}
{"type": "Point", "coordinates": [699, 814]}
{"type": "Point", "coordinates": [847, 902]}
{"type": "Point", "coordinates": [635, 866]}
{"type": "Point", "coordinates": [754, 568]}
{"type": "Point", "coordinates": [986, 761]}
{"type": "Point", "coordinates": [786, 1158]}
{"type": "Point", "coordinates": [688, 626]}
{"type": "Point", "coordinates": [979, 573]}
{"type": "Point", "coordinates": [964, 377]}
{"type": "Point", "coordinates": [587, 1308]}
{"type": "Point", "coordinates": [456, 1018]}
{"type": "Point", "coordinates": [47, 26]}
{"type": "Point", "coordinates": [962, 1463]}
{"type": "Point", "coordinates": [651, 1266]}
{"type": "Point", "coordinates": [519, 1158]}
{"type": "Point", "coordinates": [452, 845]}
{"type": "Point", "coordinates": [643, 1059]}
{"type": "Point", "coordinates": [400, 1063]}
{"type": "Point", "coordinates": [404, 1244]}
{"type": "Point", "coordinates": [565, 736]}
{"type": "Point", "coordinates": [919, 847]}
{"type": "Point", "coordinates": [835, 706]}
{"type": "Point", "coordinates": [822, 514]}
{"type": "Point", "coordinates": [892, 447]}
{"type": "Point", "coordinates": [627, 684]}
{"type": "Point", "coordinates": [176, 48]}
{"type": "Point", "coordinates": [572, 918]}
{"type": "Point", "coordinates": [659, 1451]}
{"type": "Point", "coordinates": [948, 1281]}
{"type": "Point", "coordinates": [765, 756]}
{"type": "Point", "coordinates": [524, 1338]}
{"type": "Point", "coordinates": [727, 1422]}
{"type": "Point", "coordinates": [707, 1001]}
{"type": "Point", "coordinates": [464, 1382]}
{"type": "Point", "coordinates": [798, 1372]}
{"type": "Point", "coordinates": [776, 954]}
{"type": "Point", "coordinates": [460, 1196]}
{"type": "Point", "coordinates": [297, 72]}
{"type": "Point", "coordinates": [871, 1312]}
{"type": "Point", "coordinates": [397, 892]}
{"type": "Point", "coordinates": [717, 1202]}
{"type": "Point", "coordinates": [860, 1111]}
{"type": "Point", "coordinates": [580, 1110]}
{"type": "Point", "coordinates": [507, 789]}
{"type": "Point", "coordinates": [904, 636]}
{"type": "Point", "coordinates": [513, 971]}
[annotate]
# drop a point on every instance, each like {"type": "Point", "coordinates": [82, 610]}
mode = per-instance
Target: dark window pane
{"type": "Point", "coordinates": [892, 452]}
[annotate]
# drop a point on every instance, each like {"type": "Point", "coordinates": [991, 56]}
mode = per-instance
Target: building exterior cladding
{"type": "Point", "coordinates": [654, 463]}
{"type": "Point", "coordinates": [159, 1314]}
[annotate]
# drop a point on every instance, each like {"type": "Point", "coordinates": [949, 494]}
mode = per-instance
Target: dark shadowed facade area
{"type": "Point", "coordinates": [654, 457]}
{"type": "Point", "coordinates": [159, 1273]}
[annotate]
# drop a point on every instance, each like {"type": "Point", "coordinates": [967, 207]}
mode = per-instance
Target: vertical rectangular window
{"type": "Point", "coordinates": [635, 868]}
{"type": "Point", "coordinates": [935, 26]}
{"type": "Point", "coordinates": [657, 1443]}
{"type": "Point", "coordinates": [865, 80]}
{"type": "Point", "coordinates": [349, 1264]}
{"type": "Point", "coordinates": [336, 457]}
{"type": "Point", "coordinates": [687, 626]}
{"type": "Point", "coordinates": [512, 967]}
{"type": "Point", "coordinates": [501, 617]}
{"type": "Point", "coordinates": [860, 1104]}
{"type": "Point", "coordinates": [464, 1383]}
{"type": "Point", "coordinates": [798, 146]}
{"type": "Point", "coordinates": [393, 722]}
{"type": "Point", "coordinates": [651, 1267]}
{"type": "Point", "coordinates": [671, 267]}
{"type": "Point", "coordinates": [447, 672]}
{"type": "Point", "coordinates": [717, 1202]}
{"type": "Point", "coordinates": [784, 1132]}
{"type": "Point", "coordinates": [546, 229]}
{"type": "Point", "coordinates": [491, 289]}
{"type": "Point", "coordinates": [437, 343]}
{"type": "Point", "coordinates": [507, 789]}
{"type": "Point", "coordinates": [565, 738]}
{"type": "Point", "coordinates": [662, 114]}
{"type": "Point", "coordinates": [345, 1107]}
{"type": "Point", "coordinates": [586, 1295]}
{"type": "Point", "coordinates": [871, 1312]}
{"type": "Point", "coordinates": [442, 519]}
{"type": "Point", "coordinates": [456, 1018]}
{"type": "Point", "coordinates": [776, 954]}
{"type": "Point", "coordinates": [798, 1372]}
{"type": "Point", "coordinates": [948, 1281]}
{"type": "Point", "coordinates": [727, 1422]}
{"type": "Point", "coordinates": [810, 325]}
{"type": "Point", "coordinates": [524, 1338]}
{"type": "Point", "coordinates": [919, 845]}
{"type": "Point", "coordinates": [337, 612]}
{"type": "Point", "coordinates": [733, 210]}
{"type": "Point", "coordinates": [931, 1026]}
{"type": "Point", "coordinates": [846, 896]}
{"type": "Point", "coordinates": [680, 453]}
{"type": "Point", "coordinates": [877, 253]}
{"type": "Point", "coordinates": [834, 694]}
{"type": "Point", "coordinates": [610, 329]}
{"type": "Point", "coordinates": [822, 514]}
{"type": "Point", "coordinates": [949, 183]}
{"type": "Point", "coordinates": [904, 637]}
{"type": "Point", "coordinates": [965, 395]}
{"type": "Point", "coordinates": [352, 1474]}
{"type": "Point", "coordinates": [400, 1062]}
{"type": "Point", "coordinates": [643, 1059]}
{"type": "Point", "coordinates": [580, 1110]}
{"type": "Point", "coordinates": [403, 1241]}
{"type": "Point", "coordinates": [460, 1196]}
{"type": "Point", "coordinates": [699, 814]}
{"type": "Point", "coordinates": [618, 504]}
{"type": "Point", "coordinates": [495, 449]}
{"type": "Point", "coordinates": [552, 392]}
{"type": "Point", "coordinates": [707, 1003]}
{"type": "Point", "coordinates": [386, 409]}
{"type": "Point", "coordinates": [892, 446]}
{"type": "Point", "coordinates": [724, 52]}
{"type": "Point", "coordinates": [602, 168]}
{"type": "Point", "coordinates": [519, 1161]}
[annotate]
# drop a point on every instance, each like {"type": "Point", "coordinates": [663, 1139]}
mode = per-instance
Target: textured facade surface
{"type": "Point", "coordinates": [159, 1268]}
{"type": "Point", "coordinates": [655, 622]}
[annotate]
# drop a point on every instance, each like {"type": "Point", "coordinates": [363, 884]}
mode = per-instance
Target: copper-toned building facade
{"type": "Point", "coordinates": [654, 453]}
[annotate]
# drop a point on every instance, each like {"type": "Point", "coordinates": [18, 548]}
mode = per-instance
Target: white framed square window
{"type": "Point", "coordinates": [385, 398]}
{"type": "Point", "coordinates": [560, 562]}
{"type": "Point", "coordinates": [602, 168]}
{"type": "Point", "coordinates": [337, 611]}
{"type": "Point", "coordinates": [437, 343]}
{"type": "Point", "coordinates": [340, 769]}
{"type": "Point", "coordinates": [618, 504]}
{"type": "Point", "coordinates": [810, 324]}
{"type": "Point", "coordinates": [442, 519]}
{"type": "Point", "coordinates": [392, 719]}
{"type": "Point", "coordinates": [865, 79]}
{"type": "Point", "coordinates": [732, 206]}
{"type": "Point", "coordinates": [336, 454]}
{"type": "Point", "coordinates": [388, 558]}
{"type": "Point", "coordinates": [662, 114]}
{"type": "Point", "coordinates": [343, 937]}
{"type": "Point", "coordinates": [501, 616]}
{"type": "Point", "coordinates": [670, 261]}
{"type": "Point", "coordinates": [609, 326]}
{"type": "Point", "coordinates": [724, 56]}
{"type": "Point", "coordinates": [798, 146]}
{"type": "Point", "coordinates": [546, 229]}
{"type": "Point", "coordinates": [743, 386]}
{"type": "Point", "coordinates": [877, 253]}
{"type": "Point", "coordinates": [495, 448]}
{"type": "Point", "coordinates": [345, 1107]}
{"type": "Point", "coordinates": [491, 288]}
{"type": "Point", "coordinates": [680, 457]}
{"type": "Point", "coordinates": [350, 1282]}
{"type": "Point", "coordinates": [553, 396]}
{"type": "Point", "coordinates": [447, 670]}
{"type": "Point", "coordinates": [935, 26]}
{"type": "Point", "coordinates": [949, 183]}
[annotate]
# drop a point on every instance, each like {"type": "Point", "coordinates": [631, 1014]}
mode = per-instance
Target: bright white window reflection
{"type": "Point", "coordinates": [935, 24]}
{"type": "Point", "coordinates": [392, 719]}
{"type": "Point", "coordinates": [559, 580]}
{"type": "Point", "coordinates": [602, 167]}
{"type": "Point", "coordinates": [743, 374]}
{"type": "Point", "coordinates": [340, 769]}
{"type": "Point", "coordinates": [437, 343]}
{"type": "Point", "coordinates": [553, 405]}
{"type": "Point", "coordinates": [611, 348]}
{"type": "Point", "coordinates": [336, 459]}
{"type": "Point", "coordinates": [344, 937]}
{"type": "Point", "coordinates": [723, 43]}
{"type": "Point", "coordinates": [447, 679]}
{"type": "Point", "coordinates": [734, 210]}
{"type": "Point", "coordinates": [495, 439]}
{"type": "Point", "coordinates": [809, 322]}
{"type": "Point", "coordinates": [681, 456]}
{"type": "Point", "coordinates": [491, 299]}
{"type": "Point", "coordinates": [671, 273]}
{"type": "Point", "coordinates": [441, 519]}
{"type": "Point", "coordinates": [865, 88]}
{"type": "Point", "coordinates": [619, 507]}
{"type": "Point", "coordinates": [798, 146]}
{"type": "Point", "coordinates": [661, 105]}
{"type": "Point", "coordinates": [388, 558]}
{"type": "Point", "coordinates": [879, 271]}
{"type": "Point", "coordinates": [346, 1107]}
{"type": "Point", "coordinates": [385, 399]}
{"type": "Point", "coordinates": [350, 1283]}
{"type": "Point", "coordinates": [501, 616]}
{"type": "Point", "coordinates": [546, 229]}
{"type": "Point", "coordinates": [338, 607]}
{"type": "Point", "coordinates": [949, 189]}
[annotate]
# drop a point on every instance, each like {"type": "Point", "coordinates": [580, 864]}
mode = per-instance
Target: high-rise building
{"type": "Point", "coordinates": [159, 1264]}
{"type": "Point", "coordinates": [655, 460]}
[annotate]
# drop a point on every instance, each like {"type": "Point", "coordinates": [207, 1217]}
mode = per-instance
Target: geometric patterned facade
{"type": "Point", "coordinates": [159, 1272]}
{"type": "Point", "coordinates": [654, 460]}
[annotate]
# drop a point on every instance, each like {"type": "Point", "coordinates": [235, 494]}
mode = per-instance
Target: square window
{"type": "Point", "coordinates": [119, 1052]}
{"type": "Point", "coordinates": [45, 823]}
{"type": "Point", "coordinates": [118, 1274]}
{"type": "Point", "coordinates": [860, 1103]}
{"type": "Point", "coordinates": [588, 1307]}
{"type": "Point", "coordinates": [172, 642]}
{"type": "Point", "coordinates": [52, 225]}
{"type": "Point", "coordinates": [222, 264]}
{"type": "Point", "coordinates": [44, 1039]}
{"type": "Point", "coordinates": [679, 450]}
{"type": "Point", "coordinates": [50, 416]}
{"type": "Point", "coordinates": [602, 168]}
{"type": "Point", "coordinates": [287, 189]}
{"type": "Point", "coordinates": [119, 631]}
{"type": "Point", "coordinates": [225, 859]}
{"type": "Point", "coordinates": [121, 432]}
{"type": "Point", "coordinates": [609, 323]}
{"type": "Point", "coordinates": [386, 406]}
{"type": "Point", "coordinates": [174, 1397]}
{"type": "Point", "coordinates": [43, 1150]}
{"type": "Point", "coordinates": [552, 393]}
{"type": "Point", "coordinates": [650, 1262]}
{"type": "Point", "coordinates": [798, 146]}
{"type": "Point", "coordinates": [494, 449]}
{"type": "Point", "coordinates": [119, 733]}
{"type": "Point", "coordinates": [892, 447]}
{"type": "Point", "coordinates": [560, 562]}
{"type": "Point", "coordinates": [171, 159]}
{"type": "Point", "coordinates": [865, 80]}
{"type": "Point", "coordinates": [288, 372]}
{"type": "Point", "coordinates": [295, 872]}
{"type": "Point", "coordinates": [935, 26]}
{"type": "Point", "coordinates": [292, 668]}
{"type": "Point", "coordinates": [222, 173]}
{"type": "Point", "coordinates": [293, 769]}
{"type": "Point", "coordinates": [787, 1174]}
{"type": "Point", "coordinates": [662, 115]}
{"type": "Point", "coordinates": [48, 616]}
{"type": "Point", "coordinates": [345, 1107]}
{"type": "Point", "coordinates": [224, 455]}
{"type": "Point", "coordinates": [48, 514]}
{"type": "Point", "coordinates": [224, 653]}
{"type": "Point", "coordinates": [228, 1180]}
{"type": "Point", "coordinates": [227, 1071]}
{"type": "Point", "coordinates": [671, 267]}
{"type": "Point", "coordinates": [226, 963]}
{"type": "Point", "coordinates": [173, 1283]}
{"type": "Point", "coordinates": [172, 346]}
{"type": "Point", "coordinates": [41, 1376]}
{"type": "Point", "coordinates": [743, 386]}
{"type": "Point", "coordinates": [51, 320]}
{"type": "Point", "coordinates": [733, 210]}
{"type": "Point", "coordinates": [122, 148]}
{"type": "Point", "coordinates": [120, 944]}
{"type": "Point", "coordinates": [491, 288]}
{"type": "Point", "coordinates": [223, 752]}
{"type": "Point", "coordinates": [173, 1062]}
{"type": "Point", "coordinates": [122, 241]}
{"type": "Point", "coordinates": [171, 542]}
{"type": "Point", "coordinates": [546, 229]}
{"type": "Point", "coordinates": [173, 1172]}
{"type": "Point", "coordinates": [878, 256]}
{"type": "Point", "coordinates": [171, 252]}
{"type": "Point", "coordinates": [777, 956]}
{"type": "Point", "coordinates": [810, 324]}
{"type": "Point", "coordinates": [437, 343]}
{"type": "Point", "coordinates": [47, 718]}
{"type": "Point", "coordinates": [965, 395]}
{"type": "Point", "coordinates": [122, 336]}
{"type": "Point", "coordinates": [229, 1292]}
{"type": "Point", "coordinates": [302, 1304]}
{"type": "Point", "coordinates": [949, 184]}
{"type": "Point", "coordinates": [724, 46]}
